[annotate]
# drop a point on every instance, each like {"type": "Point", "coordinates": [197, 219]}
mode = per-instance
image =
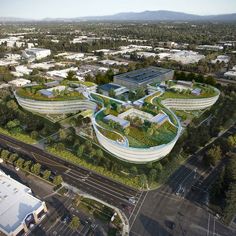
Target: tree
{"type": "Point", "coordinates": [12, 105]}
{"type": "Point", "coordinates": [35, 169]}
{"type": "Point", "coordinates": [92, 153]}
{"type": "Point", "coordinates": [126, 131]}
{"type": "Point", "coordinates": [99, 153]}
{"type": "Point", "coordinates": [213, 156]}
{"type": "Point", "coordinates": [152, 175]}
{"type": "Point", "coordinates": [13, 125]}
{"type": "Point", "coordinates": [230, 209]}
{"type": "Point", "coordinates": [27, 165]}
{"type": "Point", "coordinates": [75, 222]}
{"type": "Point", "coordinates": [71, 75]}
{"type": "Point", "coordinates": [112, 93]}
{"type": "Point", "coordinates": [34, 135]}
{"type": "Point", "coordinates": [142, 180]}
{"type": "Point", "coordinates": [210, 80]}
{"type": "Point", "coordinates": [80, 150]}
{"type": "Point", "coordinates": [232, 141]}
{"type": "Point", "coordinates": [60, 147]}
{"type": "Point", "coordinates": [5, 154]}
{"type": "Point", "coordinates": [140, 93]}
{"type": "Point", "coordinates": [57, 180]}
{"type": "Point", "coordinates": [158, 166]}
{"type": "Point", "coordinates": [134, 170]}
{"type": "Point", "coordinates": [12, 157]}
{"type": "Point", "coordinates": [62, 134]}
{"type": "Point", "coordinates": [46, 174]}
{"type": "Point", "coordinates": [19, 163]}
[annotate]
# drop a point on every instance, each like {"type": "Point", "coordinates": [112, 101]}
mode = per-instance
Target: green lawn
{"type": "Point", "coordinates": [70, 157]}
{"type": "Point", "coordinates": [206, 92]}
{"type": "Point", "coordinates": [109, 134]}
{"type": "Point", "coordinates": [37, 96]}
{"type": "Point", "coordinates": [148, 99]}
{"type": "Point", "coordinates": [139, 138]}
{"type": "Point", "coordinates": [20, 136]}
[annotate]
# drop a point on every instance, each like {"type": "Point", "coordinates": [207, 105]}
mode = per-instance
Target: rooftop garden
{"type": "Point", "coordinates": [107, 101]}
{"type": "Point", "coordinates": [140, 133]}
{"type": "Point", "coordinates": [77, 82]}
{"type": "Point", "coordinates": [175, 90]}
{"type": "Point", "coordinates": [34, 93]}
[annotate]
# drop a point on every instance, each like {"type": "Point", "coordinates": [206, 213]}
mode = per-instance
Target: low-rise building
{"type": "Point", "coordinates": [142, 77]}
{"type": "Point", "coordinates": [146, 54]}
{"type": "Point", "coordinates": [231, 74]}
{"type": "Point", "coordinates": [36, 53]}
{"type": "Point", "coordinates": [21, 70]}
{"type": "Point", "coordinates": [210, 47]}
{"type": "Point", "coordinates": [114, 63]}
{"type": "Point", "coordinates": [123, 123]}
{"type": "Point", "coordinates": [62, 74]}
{"type": "Point", "coordinates": [118, 90]}
{"type": "Point", "coordinates": [43, 65]}
{"type": "Point", "coordinates": [186, 57]}
{"type": "Point", "coordinates": [19, 209]}
{"type": "Point", "coordinates": [75, 56]}
{"type": "Point", "coordinates": [220, 59]}
{"type": "Point", "coordinates": [19, 82]}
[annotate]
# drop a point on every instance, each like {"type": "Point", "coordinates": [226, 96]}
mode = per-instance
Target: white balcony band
{"type": "Point", "coordinates": [55, 107]}
{"type": "Point", "coordinates": [135, 155]}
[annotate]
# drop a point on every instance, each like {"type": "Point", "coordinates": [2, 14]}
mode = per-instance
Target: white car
{"type": "Point", "coordinates": [132, 200]}
{"type": "Point", "coordinates": [17, 168]}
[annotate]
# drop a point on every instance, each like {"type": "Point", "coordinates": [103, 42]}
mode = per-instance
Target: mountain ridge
{"type": "Point", "coordinates": [160, 15]}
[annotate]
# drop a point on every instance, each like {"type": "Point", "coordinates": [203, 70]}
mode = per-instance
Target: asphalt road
{"type": "Point", "coordinates": [172, 211]}
{"type": "Point", "coordinates": [86, 180]}
{"type": "Point", "coordinates": [155, 211]}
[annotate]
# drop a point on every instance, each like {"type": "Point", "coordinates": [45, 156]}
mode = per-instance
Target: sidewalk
{"type": "Point", "coordinates": [122, 216]}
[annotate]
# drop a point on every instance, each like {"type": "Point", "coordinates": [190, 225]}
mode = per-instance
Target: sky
{"type": "Point", "coordinates": [38, 9]}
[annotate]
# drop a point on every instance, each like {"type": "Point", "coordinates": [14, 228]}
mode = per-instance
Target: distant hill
{"type": "Point", "coordinates": [13, 19]}
{"type": "Point", "coordinates": [162, 16]}
{"type": "Point", "coordinates": [140, 16]}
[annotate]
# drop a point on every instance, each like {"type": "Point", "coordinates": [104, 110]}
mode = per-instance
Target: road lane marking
{"type": "Point", "coordinates": [146, 193]}
{"type": "Point", "coordinates": [208, 226]}
{"type": "Point", "coordinates": [135, 206]}
{"type": "Point", "coordinates": [214, 226]}
{"type": "Point", "coordinates": [121, 192]}
{"type": "Point", "coordinates": [49, 162]}
{"type": "Point", "coordinates": [99, 188]}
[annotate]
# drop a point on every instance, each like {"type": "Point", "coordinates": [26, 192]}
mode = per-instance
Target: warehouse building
{"type": "Point", "coordinates": [142, 77]}
{"type": "Point", "coordinates": [36, 53]}
{"type": "Point", "coordinates": [19, 210]}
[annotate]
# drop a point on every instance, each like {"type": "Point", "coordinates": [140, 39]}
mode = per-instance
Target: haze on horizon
{"type": "Point", "coordinates": [34, 9]}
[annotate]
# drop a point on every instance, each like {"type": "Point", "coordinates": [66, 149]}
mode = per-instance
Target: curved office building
{"type": "Point", "coordinates": [190, 104]}
{"type": "Point", "coordinates": [55, 107]}
{"type": "Point", "coordinates": [135, 155]}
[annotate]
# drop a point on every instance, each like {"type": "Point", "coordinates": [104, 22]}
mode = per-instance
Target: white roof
{"type": "Point", "coordinates": [16, 203]}
{"type": "Point", "coordinates": [19, 82]}
{"type": "Point", "coordinates": [61, 73]}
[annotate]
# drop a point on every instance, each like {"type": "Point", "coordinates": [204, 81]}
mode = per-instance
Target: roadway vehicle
{"type": "Point", "coordinates": [180, 191]}
{"type": "Point", "coordinates": [17, 168]}
{"type": "Point", "coordinates": [172, 225]}
{"type": "Point", "coordinates": [1, 160]}
{"type": "Point", "coordinates": [65, 219]}
{"type": "Point", "coordinates": [132, 200]}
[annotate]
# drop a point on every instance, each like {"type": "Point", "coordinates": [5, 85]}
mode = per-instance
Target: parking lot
{"type": "Point", "coordinates": [61, 226]}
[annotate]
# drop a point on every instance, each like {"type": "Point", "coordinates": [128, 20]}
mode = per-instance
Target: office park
{"type": "Point", "coordinates": [139, 131]}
